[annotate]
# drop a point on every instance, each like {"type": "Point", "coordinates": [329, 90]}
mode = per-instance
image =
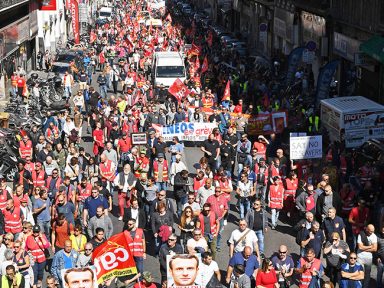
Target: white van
{"type": "Point", "coordinates": [353, 119]}
{"type": "Point", "coordinates": [167, 67]}
{"type": "Point", "coordinates": [105, 13]}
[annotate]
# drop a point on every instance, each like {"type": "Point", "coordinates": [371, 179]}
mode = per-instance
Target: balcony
{"type": "Point", "coordinates": [319, 6]}
{"type": "Point", "coordinates": [8, 4]}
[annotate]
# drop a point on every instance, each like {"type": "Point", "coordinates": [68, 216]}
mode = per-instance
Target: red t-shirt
{"type": "Point", "coordinates": [124, 145]}
{"type": "Point", "coordinates": [61, 233]}
{"type": "Point", "coordinates": [266, 279]}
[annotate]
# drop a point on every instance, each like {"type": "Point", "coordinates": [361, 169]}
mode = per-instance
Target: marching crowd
{"type": "Point", "coordinates": [58, 208]}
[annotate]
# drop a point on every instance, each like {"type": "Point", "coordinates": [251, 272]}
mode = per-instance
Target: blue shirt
{"type": "Point", "coordinates": [347, 283]}
{"type": "Point", "coordinates": [67, 261]}
{"type": "Point", "coordinates": [44, 215]}
{"type": "Point", "coordinates": [251, 264]}
{"type": "Point", "coordinates": [91, 204]}
{"type": "Point", "coordinates": [68, 210]}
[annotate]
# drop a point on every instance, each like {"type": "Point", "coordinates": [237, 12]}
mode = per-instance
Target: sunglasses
{"type": "Point", "coordinates": [353, 258]}
{"type": "Point", "coordinates": [171, 239]}
{"type": "Point", "coordinates": [197, 234]}
{"type": "Point", "coordinates": [282, 252]}
{"type": "Point", "coordinates": [7, 239]}
{"type": "Point", "coordinates": [88, 249]}
{"type": "Point", "coordinates": [16, 246]}
{"type": "Point", "coordinates": [335, 239]}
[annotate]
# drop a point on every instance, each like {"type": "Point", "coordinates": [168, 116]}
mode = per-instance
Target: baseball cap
{"type": "Point", "coordinates": [261, 159]}
{"type": "Point", "coordinates": [160, 155]}
{"type": "Point", "coordinates": [36, 229]}
{"type": "Point", "coordinates": [147, 276]}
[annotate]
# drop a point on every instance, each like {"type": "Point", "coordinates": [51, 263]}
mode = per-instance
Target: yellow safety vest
{"type": "Point", "coordinates": [316, 123]}
{"type": "Point", "coordinates": [5, 282]}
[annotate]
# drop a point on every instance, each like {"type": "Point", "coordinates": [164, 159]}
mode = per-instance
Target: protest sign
{"type": "Point", "coordinates": [183, 270]}
{"type": "Point", "coordinates": [185, 131]}
{"type": "Point", "coordinates": [113, 258]}
{"type": "Point", "coordinates": [306, 147]}
{"type": "Point", "coordinates": [79, 277]}
{"type": "Point", "coordinates": [263, 124]}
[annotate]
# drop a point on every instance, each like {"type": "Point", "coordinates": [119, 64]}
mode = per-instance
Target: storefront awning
{"type": "Point", "coordinates": [374, 47]}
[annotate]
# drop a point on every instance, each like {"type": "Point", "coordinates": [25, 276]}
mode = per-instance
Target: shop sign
{"type": "Point", "coordinates": [283, 24]}
{"type": "Point", "coordinates": [345, 46]}
{"type": "Point", "coordinates": [362, 59]}
{"type": "Point", "coordinates": [313, 27]}
{"type": "Point", "coordinates": [13, 35]}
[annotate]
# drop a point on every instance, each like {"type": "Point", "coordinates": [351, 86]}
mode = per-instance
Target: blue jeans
{"type": "Point", "coordinates": [38, 271]}
{"type": "Point", "coordinates": [103, 91]}
{"type": "Point", "coordinates": [260, 240]}
{"type": "Point", "coordinates": [218, 245]}
{"type": "Point", "coordinates": [161, 186]}
{"type": "Point", "coordinates": [45, 228]}
{"type": "Point", "coordinates": [67, 91]}
{"type": "Point", "coordinates": [274, 216]}
{"type": "Point", "coordinates": [380, 270]}
{"type": "Point", "coordinates": [180, 204]}
{"type": "Point", "coordinates": [139, 264]}
{"type": "Point", "coordinates": [245, 205]}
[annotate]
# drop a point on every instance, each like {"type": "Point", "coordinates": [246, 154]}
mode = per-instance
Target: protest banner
{"type": "Point", "coordinates": [185, 131]}
{"type": "Point", "coordinates": [263, 124]}
{"type": "Point", "coordinates": [305, 147]}
{"type": "Point", "coordinates": [113, 258]}
{"type": "Point", "coordinates": [79, 277]}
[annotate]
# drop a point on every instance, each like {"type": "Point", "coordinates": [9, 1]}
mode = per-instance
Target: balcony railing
{"type": "Point", "coordinates": [7, 4]}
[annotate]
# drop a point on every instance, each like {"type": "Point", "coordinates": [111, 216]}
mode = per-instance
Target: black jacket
{"type": "Point", "coordinates": [180, 186]}
{"type": "Point", "coordinates": [336, 202]}
{"type": "Point", "coordinates": [128, 215]}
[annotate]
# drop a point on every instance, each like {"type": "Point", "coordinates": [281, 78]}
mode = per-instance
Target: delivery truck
{"type": "Point", "coordinates": [352, 120]}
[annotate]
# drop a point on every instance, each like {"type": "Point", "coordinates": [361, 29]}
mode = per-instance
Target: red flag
{"type": "Point", "coordinates": [195, 50]}
{"type": "Point", "coordinates": [114, 257]}
{"type": "Point", "coordinates": [197, 63]}
{"type": "Point", "coordinates": [128, 42]}
{"type": "Point", "coordinates": [204, 67]}
{"type": "Point", "coordinates": [227, 92]}
{"type": "Point", "coordinates": [179, 90]}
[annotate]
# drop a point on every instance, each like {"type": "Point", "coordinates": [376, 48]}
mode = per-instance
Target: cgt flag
{"type": "Point", "coordinates": [113, 258]}
{"type": "Point", "coordinates": [179, 90]}
{"type": "Point", "coordinates": [227, 92]}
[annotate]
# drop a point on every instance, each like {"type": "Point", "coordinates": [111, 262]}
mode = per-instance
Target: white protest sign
{"type": "Point", "coordinates": [306, 147]}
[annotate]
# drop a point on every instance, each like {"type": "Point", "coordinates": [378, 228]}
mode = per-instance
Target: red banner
{"type": "Point", "coordinates": [74, 8]}
{"type": "Point", "coordinates": [50, 7]}
{"type": "Point", "coordinates": [197, 63]}
{"type": "Point", "coordinates": [194, 51]}
{"type": "Point", "coordinates": [113, 258]}
{"type": "Point", "coordinates": [227, 92]}
{"type": "Point", "coordinates": [179, 90]}
{"type": "Point", "coordinates": [204, 67]}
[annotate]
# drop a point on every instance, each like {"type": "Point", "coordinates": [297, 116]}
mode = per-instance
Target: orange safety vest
{"type": "Point", "coordinates": [57, 184]}
{"type": "Point", "coordinates": [156, 170]}
{"type": "Point", "coordinates": [136, 243]}
{"type": "Point", "coordinates": [25, 148]}
{"type": "Point", "coordinates": [306, 276]}
{"type": "Point", "coordinates": [14, 79]}
{"type": "Point", "coordinates": [38, 179]}
{"type": "Point", "coordinates": [12, 220]}
{"type": "Point", "coordinates": [207, 102]}
{"type": "Point", "coordinates": [225, 185]}
{"type": "Point", "coordinates": [143, 165]}
{"type": "Point", "coordinates": [291, 187]}
{"type": "Point", "coordinates": [261, 149]}
{"type": "Point", "coordinates": [212, 222]}
{"type": "Point", "coordinates": [51, 133]}
{"type": "Point", "coordinates": [106, 169]}
{"type": "Point", "coordinates": [276, 193]}
{"type": "Point", "coordinates": [36, 247]}
{"type": "Point", "coordinates": [3, 199]}
{"type": "Point", "coordinates": [83, 193]}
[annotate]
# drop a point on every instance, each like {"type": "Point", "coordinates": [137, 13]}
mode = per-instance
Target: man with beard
{"type": "Point", "coordinates": [100, 220]}
{"type": "Point", "coordinates": [136, 241]}
{"type": "Point", "coordinates": [67, 208]}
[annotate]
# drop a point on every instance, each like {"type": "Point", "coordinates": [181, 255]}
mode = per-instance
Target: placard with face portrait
{"type": "Point", "coordinates": [79, 277]}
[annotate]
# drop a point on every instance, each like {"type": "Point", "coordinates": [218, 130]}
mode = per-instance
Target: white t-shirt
{"type": "Point", "coordinates": [249, 240]}
{"type": "Point", "coordinates": [195, 206]}
{"type": "Point", "coordinates": [192, 243]}
{"type": "Point", "coordinates": [363, 256]}
{"type": "Point", "coordinates": [209, 270]}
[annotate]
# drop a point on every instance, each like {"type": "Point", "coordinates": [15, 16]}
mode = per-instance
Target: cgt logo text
{"type": "Point", "coordinates": [111, 259]}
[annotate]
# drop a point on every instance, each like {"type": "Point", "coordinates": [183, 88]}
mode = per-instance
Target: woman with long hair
{"type": "Point", "coordinates": [187, 225]}
{"type": "Point", "coordinates": [266, 276]}
{"type": "Point", "coordinates": [21, 258]}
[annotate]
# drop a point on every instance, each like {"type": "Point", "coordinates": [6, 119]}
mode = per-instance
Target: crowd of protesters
{"type": "Point", "coordinates": [58, 208]}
